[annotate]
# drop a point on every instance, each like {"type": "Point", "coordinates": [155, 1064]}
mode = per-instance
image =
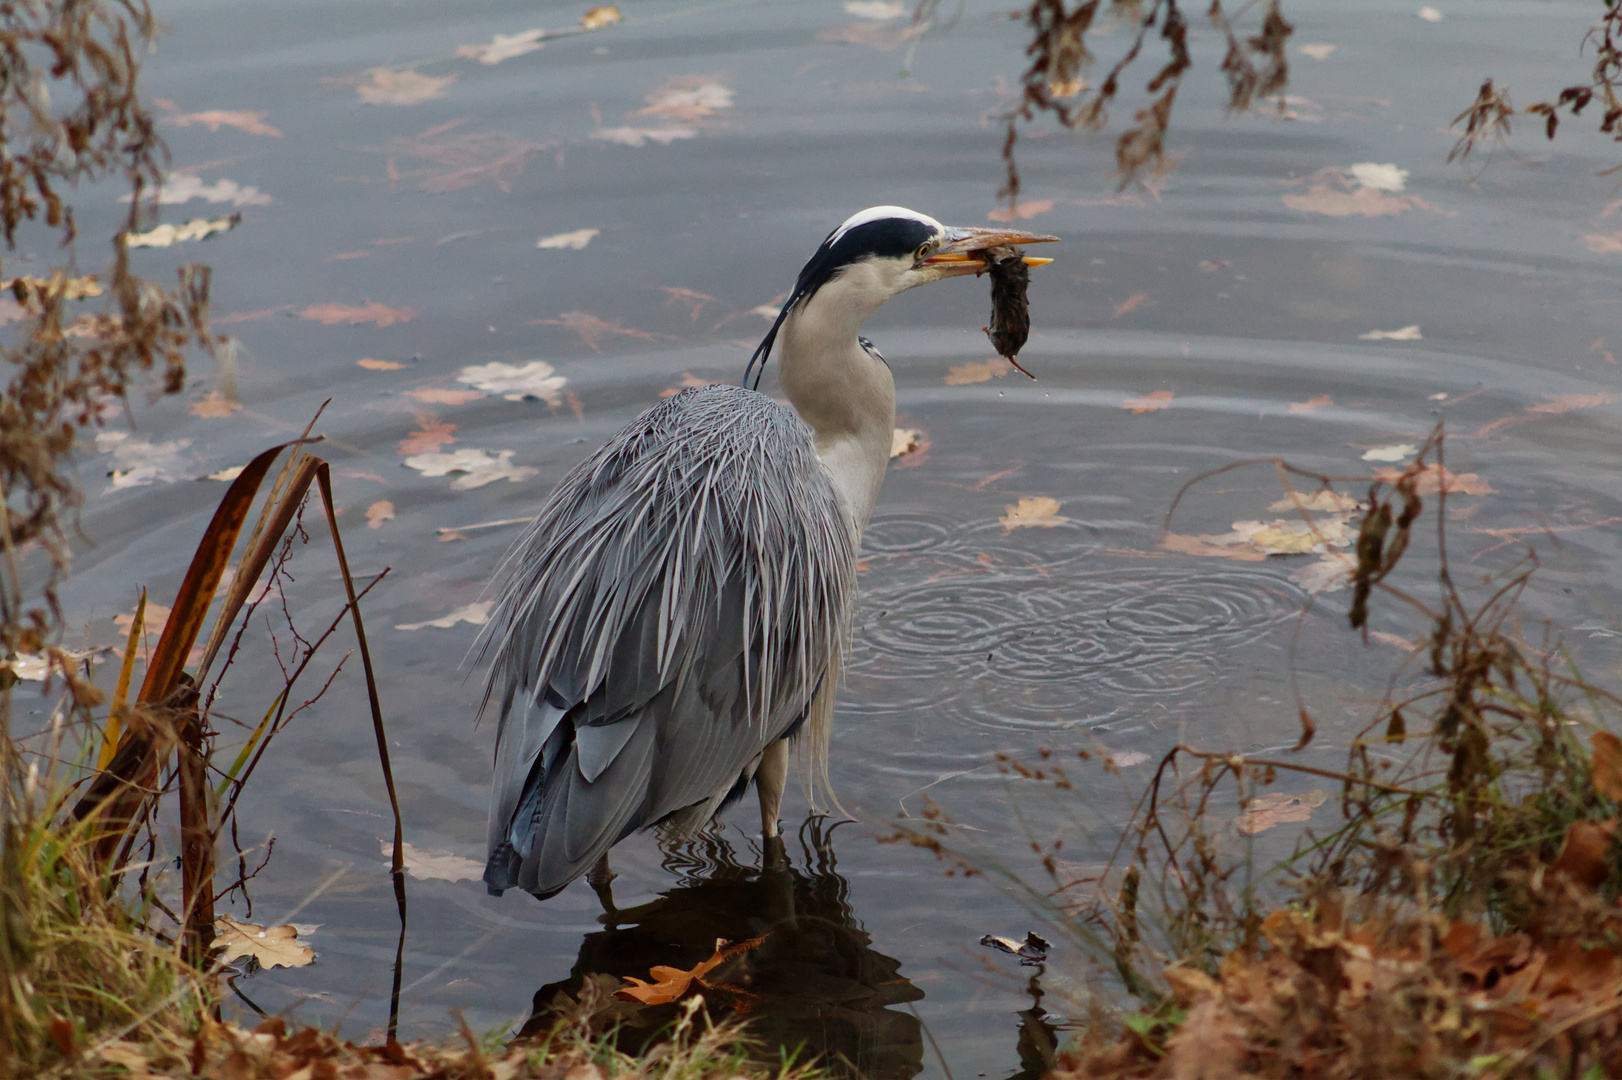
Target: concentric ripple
{"type": "Point", "coordinates": [1035, 647]}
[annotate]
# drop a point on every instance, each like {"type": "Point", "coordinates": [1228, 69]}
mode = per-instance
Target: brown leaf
{"type": "Point", "coordinates": [1606, 768]}
{"type": "Point", "coordinates": [276, 946]}
{"type": "Point", "coordinates": [435, 865]}
{"type": "Point", "coordinates": [1023, 210]}
{"type": "Point", "coordinates": [214, 406]}
{"type": "Point", "coordinates": [369, 312]}
{"type": "Point", "coordinates": [1150, 402]}
{"type": "Point", "coordinates": [1311, 405]}
{"type": "Point", "coordinates": [592, 330]}
{"type": "Point", "coordinates": [1131, 303]}
{"type": "Point", "coordinates": [1582, 857]}
{"type": "Point", "coordinates": [674, 982]}
{"type": "Point", "coordinates": [687, 97]}
{"type": "Point", "coordinates": [903, 441]}
{"type": "Point", "coordinates": [380, 86]}
{"type": "Point", "coordinates": [253, 123]}
{"type": "Point", "coordinates": [378, 513]}
{"type": "Point", "coordinates": [1564, 403]}
{"type": "Point", "coordinates": [379, 365]}
{"type": "Point", "coordinates": [1193, 545]}
{"type": "Point", "coordinates": [1434, 478]}
{"type": "Point", "coordinates": [1037, 511]}
{"type": "Point", "coordinates": [598, 17]}
{"type": "Point", "coordinates": [964, 374]}
{"type": "Point", "coordinates": [431, 434]}
{"type": "Point", "coordinates": [444, 397]}
{"type": "Point", "coordinates": [693, 301]}
{"type": "Point", "coordinates": [461, 161]}
{"type": "Point", "coordinates": [1277, 808]}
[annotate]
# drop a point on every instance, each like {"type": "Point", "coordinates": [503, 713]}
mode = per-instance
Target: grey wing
{"type": "Point", "coordinates": [671, 612]}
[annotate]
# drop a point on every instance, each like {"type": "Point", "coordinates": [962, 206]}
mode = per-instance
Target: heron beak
{"type": "Point", "coordinates": [961, 254]}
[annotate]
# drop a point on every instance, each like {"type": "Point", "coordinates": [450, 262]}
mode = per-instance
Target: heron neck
{"type": "Point", "coordinates": [843, 392]}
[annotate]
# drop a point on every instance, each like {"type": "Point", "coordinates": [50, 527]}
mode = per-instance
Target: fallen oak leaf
{"type": "Point", "coordinates": [435, 865]}
{"type": "Point", "coordinates": [1435, 478]}
{"type": "Point", "coordinates": [674, 982]}
{"type": "Point", "coordinates": [967, 374]}
{"type": "Point", "coordinates": [276, 946]}
{"type": "Point", "coordinates": [1278, 808]}
{"type": "Point", "coordinates": [430, 396]}
{"type": "Point", "coordinates": [1038, 511]}
{"type": "Point", "coordinates": [477, 613]}
{"type": "Point", "coordinates": [1153, 401]}
{"type": "Point", "coordinates": [369, 312]}
{"type": "Point", "coordinates": [431, 434]}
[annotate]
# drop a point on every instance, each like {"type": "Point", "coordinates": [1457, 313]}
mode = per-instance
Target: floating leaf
{"type": "Point", "coordinates": [431, 434]}
{"type": "Point", "coordinates": [1033, 950]}
{"type": "Point", "coordinates": [276, 946]}
{"type": "Point", "coordinates": [1311, 405]}
{"type": "Point", "coordinates": [1150, 402]}
{"type": "Point", "coordinates": [1316, 50]}
{"type": "Point", "coordinates": [1321, 501]}
{"type": "Point", "coordinates": [444, 397]}
{"type": "Point", "coordinates": [1435, 478]}
{"type": "Point", "coordinates": [214, 406]}
{"type": "Point", "coordinates": [515, 382]}
{"type": "Point", "coordinates": [1364, 202]}
{"type": "Point", "coordinates": [1021, 211]}
{"type": "Point", "coordinates": [251, 123]}
{"type": "Point", "coordinates": [503, 47]}
{"type": "Point", "coordinates": [463, 160]}
{"type": "Point", "coordinates": [1379, 177]}
{"type": "Point", "coordinates": [1130, 304]}
{"type": "Point", "coordinates": [379, 365]}
{"type": "Point", "coordinates": [477, 613]}
{"type": "Point", "coordinates": [688, 97]}
{"type": "Point", "coordinates": [1036, 512]}
{"type": "Point", "coordinates": [574, 241]}
{"type": "Point", "coordinates": [1199, 545]}
{"type": "Point", "coordinates": [1429, 14]}
{"type": "Point", "coordinates": [1564, 403]}
{"type": "Point", "coordinates": [436, 865]}
{"type": "Point", "coordinates": [592, 330]}
{"type": "Point", "coordinates": [1394, 452]}
{"type": "Point", "coordinates": [378, 513]}
{"type": "Point", "coordinates": [384, 87]}
{"type": "Point", "coordinates": [674, 982]}
{"type": "Point", "coordinates": [695, 301]}
{"type": "Point", "coordinates": [137, 462]}
{"type": "Point", "coordinates": [641, 136]}
{"type": "Point", "coordinates": [195, 229]}
{"type": "Point", "coordinates": [1277, 808]}
{"type": "Point", "coordinates": [903, 441]}
{"type": "Point", "coordinates": [965, 374]}
{"type": "Point", "coordinates": [1329, 574]}
{"type": "Point", "coordinates": [598, 17]}
{"type": "Point", "coordinates": [369, 312]}
{"type": "Point", "coordinates": [184, 187]}
{"type": "Point", "coordinates": [481, 468]}
{"type": "Point", "coordinates": [72, 288]}
{"type": "Point", "coordinates": [1128, 758]}
{"type": "Point", "coordinates": [879, 10]}
{"type": "Point", "coordinates": [1406, 333]}
{"type": "Point", "coordinates": [227, 474]}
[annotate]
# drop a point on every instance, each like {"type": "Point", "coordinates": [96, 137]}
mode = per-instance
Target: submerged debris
{"type": "Point", "coordinates": [1010, 311]}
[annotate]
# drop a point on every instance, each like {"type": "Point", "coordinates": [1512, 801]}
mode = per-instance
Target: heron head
{"type": "Point", "coordinates": [885, 250]}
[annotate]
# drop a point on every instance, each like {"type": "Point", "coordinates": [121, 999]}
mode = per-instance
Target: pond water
{"type": "Point", "coordinates": [1217, 316]}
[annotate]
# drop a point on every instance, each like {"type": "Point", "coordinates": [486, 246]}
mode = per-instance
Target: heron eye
{"type": "Point", "coordinates": [925, 250]}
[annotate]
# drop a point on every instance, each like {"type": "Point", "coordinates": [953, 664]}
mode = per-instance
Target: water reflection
{"type": "Point", "coordinates": [815, 981]}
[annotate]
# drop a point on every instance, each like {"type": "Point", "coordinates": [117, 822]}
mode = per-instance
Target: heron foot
{"type": "Point", "coordinates": [601, 880]}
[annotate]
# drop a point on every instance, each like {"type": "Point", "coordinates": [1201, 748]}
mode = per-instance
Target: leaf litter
{"type": "Point", "coordinates": [1393, 452]}
{"type": "Point", "coordinates": [432, 865]}
{"type": "Point", "coordinates": [249, 123]}
{"type": "Point", "coordinates": [515, 382]}
{"type": "Point", "coordinates": [275, 946]}
{"type": "Point", "coordinates": [504, 47]}
{"type": "Point", "coordinates": [431, 434]}
{"type": "Point", "coordinates": [460, 161]}
{"type": "Point", "coordinates": [477, 613]}
{"type": "Point", "coordinates": [378, 513]}
{"type": "Point", "coordinates": [1037, 511]}
{"type": "Point", "coordinates": [672, 982]}
{"type": "Point", "coordinates": [184, 187]}
{"type": "Point", "coordinates": [682, 103]}
{"type": "Point", "coordinates": [383, 86]}
{"type": "Point", "coordinates": [331, 314]}
{"type": "Point", "coordinates": [138, 462]}
{"type": "Point", "coordinates": [573, 241]}
{"type": "Point", "coordinates": [479, 466]}
{"type": "Point", "coordinates": [1277, 808]}
{"type": "Point", "coordinates": [215, 406]}
{"type": "Point", "coordinates": [593, 330]}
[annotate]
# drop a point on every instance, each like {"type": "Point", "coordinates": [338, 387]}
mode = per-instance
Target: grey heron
{"type": "Point", "coordinates": [676, 612]}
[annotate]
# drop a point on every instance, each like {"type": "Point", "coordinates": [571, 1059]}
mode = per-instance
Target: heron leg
{"type": "Point", "coordinates": [770, 779]}
{"type": "Point", "coordinates": [601, 880]}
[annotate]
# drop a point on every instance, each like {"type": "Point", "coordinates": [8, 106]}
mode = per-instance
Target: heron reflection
{"type": "Point", "coordinates": [815, 981]}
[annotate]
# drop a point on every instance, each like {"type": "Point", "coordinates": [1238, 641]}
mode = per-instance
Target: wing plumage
{"type": "Point", "coordinates": [672, 611]}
